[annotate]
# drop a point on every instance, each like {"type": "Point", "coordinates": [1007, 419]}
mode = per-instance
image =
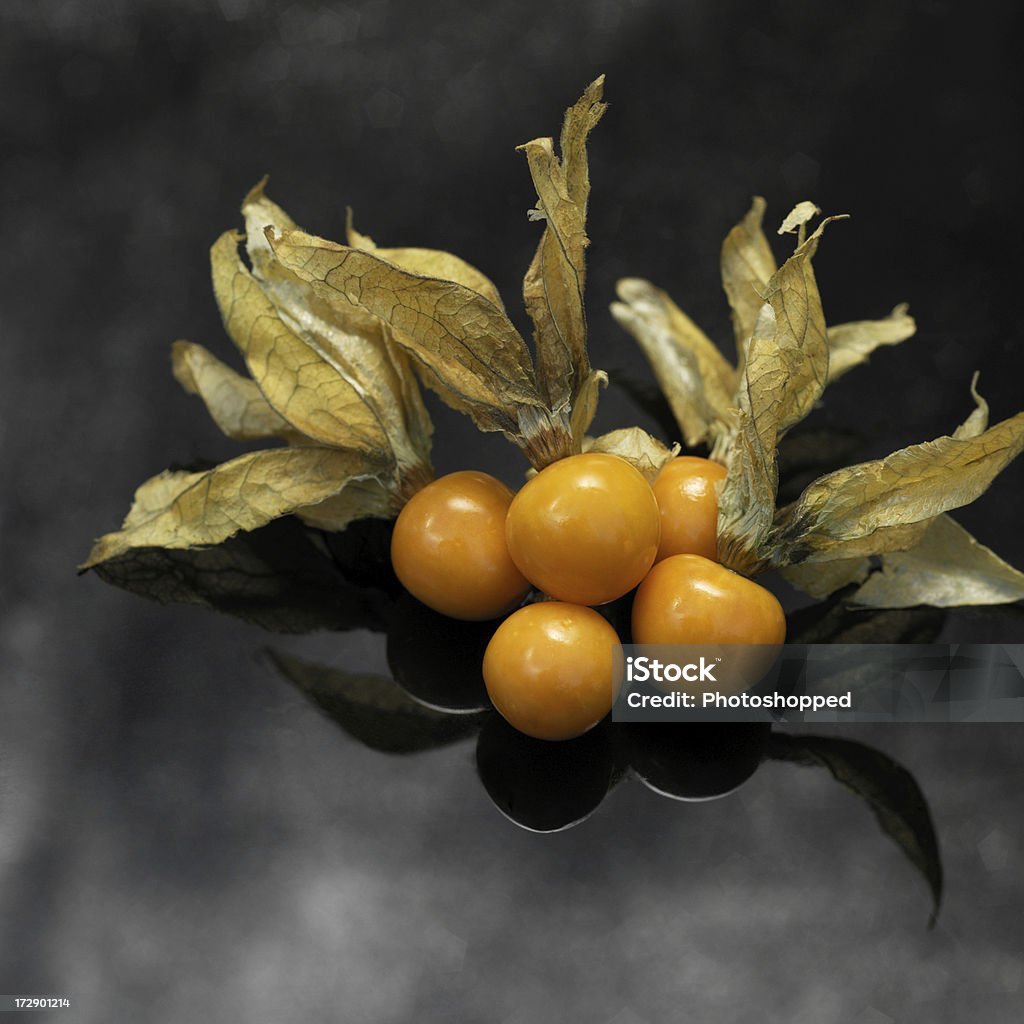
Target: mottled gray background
{"type": "Point", "coordinates": [182, 837]}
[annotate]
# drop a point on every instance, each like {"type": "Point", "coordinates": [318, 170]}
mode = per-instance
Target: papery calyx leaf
{"type": "Point", "coordinates": [637, 447]}
{"type": "Point", "coordinates": [850, 344]}
{"type": "Point", "coordinates": [464, 343]}
{"type": "Point", "coordinates": [785, 373]}
{"type": "Point", "coordinates": [554, 284]}
{"type": "Point", "coordinates": [747, 266]}
{"type": "Point", "coordinates": [183, 510]}
{"type": "Point", "coordinates": [234, 402]}
{"type": "Point", "coordinates": [946, 568]}
{"type": "Point", "coordinates": [695, 377]}
{"type": "Point", "coordinates": [881, 505]}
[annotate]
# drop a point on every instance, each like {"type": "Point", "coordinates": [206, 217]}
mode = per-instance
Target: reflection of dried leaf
{"type": "Point", "coordinates": [375, 710]}
{"type": "Point", "coordinates": [851, 344]}
{"type": "Point", "coordinates": [554, 283]}
{"type": "Point", "coordinates": [637, 447]}
{"type": "Point", "coordinates": [463, 340]}
{"type": "Point", "coordinates": [695, 377]}
{"type": "Point", "coordinates": [845, 512]}
{"type": "Point", "coordinates": [234, 402]}
{"type": "Point", "coordinates": [747, 267]}
{"type": "Point", "coordinates": [946, 568]}
{"type": "Point", "coordinates": [186, 510]}
{"type": "Point", "coordinates": [885, 786]}
{"type": "Point", "coordinates": [798, 217]}
{"type": "Point", "coordinates": [273, 577]}
{"type": "Point", "coordinates": [785, 373]}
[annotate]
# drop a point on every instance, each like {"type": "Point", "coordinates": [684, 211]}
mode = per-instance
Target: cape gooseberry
{"type": "Point", "coordinates": [688, 502]}
{"type": "Point", "coordinates": [448, 547]}
{"type": "Point", "coordinates": [585, 529]}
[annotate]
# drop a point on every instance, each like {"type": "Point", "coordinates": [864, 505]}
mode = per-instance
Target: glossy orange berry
{"type": "Point", "coordinates": [685, 492]}
{"type": "Point", "coordinates": [550, 669]}
{"type": "Point", "coordinates": [688, 599]}
{"type": "Point", "coordinates": [449, 551]}
{"type": "Point", "coordinates": [585, 529]}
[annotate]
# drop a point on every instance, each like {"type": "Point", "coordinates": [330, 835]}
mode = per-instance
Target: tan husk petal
{"type": "Point", "coordinates": [234, 402]}
{"type": "Point", "coordinates": [187, 510]}
{"type": "Point", "coordinates": [426, 263]}
{"type": "Point", "coordinates": [946, 568]}
{"type": "Point", "coordinates": [819, 579]}
{"type": "Point", "coordinates": [784, 375]}
{"type": "Point", "coordinates": [296, 381]}
{"type": "Point", "coordinates": [584, 406]}
{"type": "Point", "coordinates": [977, 422]}
{"type": "Point", "coordinates": [747, 267]}
{"type": "Point", "coordinates": [798, 217]}
{"type": "Point", "coordinates": [637, 447]}
{"type": "Point", "coordinates": [693, 375]}
{"type": "Point", "coordinates": [465, 342]}
{"type": "Point", "coordinates": [359, 500]}
{"type": "Point", "coordinates": [844, 513]}
{"type": "Point", "coordinates": [850, 344]}
{"type": "Point", "coordinates": [554, 282]}
{"type": "Point", "coordinates": [358, 347]}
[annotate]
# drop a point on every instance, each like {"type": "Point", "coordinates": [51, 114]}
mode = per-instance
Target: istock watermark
{"type": "Point", "coordinates": [820, 683]}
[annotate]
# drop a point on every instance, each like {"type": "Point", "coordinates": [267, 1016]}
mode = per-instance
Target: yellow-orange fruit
{"type": "Point", "coordinates": [550, 669]}
{"type": "Point", "coordinates": [685, 492]}
{"type": "Point", "coordinates": [449, 551]}
{"type": "Point", "coordinates": [688, 599]}
{"type": "Point", "coordinates": [585, 529]}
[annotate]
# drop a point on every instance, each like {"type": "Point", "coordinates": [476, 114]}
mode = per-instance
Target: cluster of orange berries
{"type": "Point", "coordinates": [585, 531]}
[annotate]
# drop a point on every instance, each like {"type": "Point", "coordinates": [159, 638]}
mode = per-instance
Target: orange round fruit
{"type": "Point", "coordinates": [448, 547]}
{"type": "Point", "coordinates": [585, 529]}
{"type": "Point", "coordinates": [550, 669]}
{"type": "Point", "coordinates": [685, 492]}
{"type": "Point", "coordinates": [688, 599]}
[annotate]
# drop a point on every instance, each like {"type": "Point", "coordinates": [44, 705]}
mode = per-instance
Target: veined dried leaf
{"type": "Point", "coordinates": [819, 579]}
{"type": "Point", "coordinates": [554, 283]}
{"type": "Point", "coordinates": [849, 511]}
{"type": "Point", "coordinates": [355, 344]}
{"type": "Point", "coordinates": [465, 342]}
{"type": "Point", "coordinates": [194, 509]}
{"type": "Point", "coordinates": [798, 217]}
{"type": "Point", "coordinates": [361, 499]}
{"type": "Point", "coordinates": [747, 267]}
{"type": "Point", "coordinates": [296, 381]}
{"type": "Point", "coordinates": [427, 263]}
{"type": "Point", "coordinates": [946, 568]}
{"type": "Point", "coordinates": [785, 374]}
{"type": "Point", "coordinates": [850, 344]}
{"type": "Point", "coordinates": [637, 447]}
{"type": "Point", "coordinates": [234, 402]}
{"type": "Point", "coordinates": [694, 376]}
{"type": "Point", "coordinates": [260, 212]}
{"type": "Point", "coordinates": [977, 422]}
{"type": "Point", "coordinates": [584, 406]}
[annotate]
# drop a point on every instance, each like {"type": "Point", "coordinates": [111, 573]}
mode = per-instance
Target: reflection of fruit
{"type": "Point", "coordinates": [695, 761]}
{"type": "Point", "coordinates": [585, 529]}
{"type": "Point", "coordinates": [687, 599]}
{"type": "Point", "coordinates": [685, 491]}
{"type": "Point", "coordinates": [449, 550]}
{"type": "Point", "coordinates": [541, 786]}
{"type": "Point", "coordinates": [549, 669]}
{"type": "Point", "coordinates": [437, 659]}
